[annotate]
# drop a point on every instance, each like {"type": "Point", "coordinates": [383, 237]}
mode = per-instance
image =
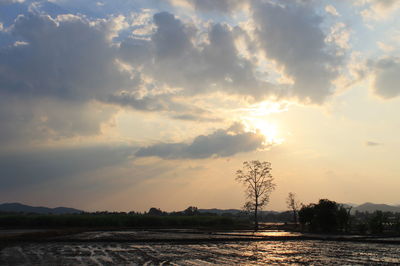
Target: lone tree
{"type": "Point", "coordinates": [257, 178]}
{"type": "Point", "coordinates": [293, 205]}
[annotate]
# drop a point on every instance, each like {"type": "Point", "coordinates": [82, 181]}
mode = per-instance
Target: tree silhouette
{"type": "Point", "coordinates": [293, 205]}
{"type": "Point", "coordinates": [326, 216]}
{"type": "Point", "coordinates": [191, 210]}
{"type": "Point", "coordinates": [257, 178]}
{"type": "Point", "coordinates": [155, 212]}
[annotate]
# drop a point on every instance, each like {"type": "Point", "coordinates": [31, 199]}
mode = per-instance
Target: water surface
{"type": "Point", "coordinates": [263, 252]}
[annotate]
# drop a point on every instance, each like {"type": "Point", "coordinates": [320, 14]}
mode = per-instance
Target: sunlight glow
{"type": "Point", "coordinates": [265, 108]}
{"type": "Point", "coordinates": [255, 119]}
{"type": "Point", "coordinates": [267, 129]}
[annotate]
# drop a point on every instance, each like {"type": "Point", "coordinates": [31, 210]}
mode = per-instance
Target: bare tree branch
{"type": "Point", "coordinates": [257, 178]}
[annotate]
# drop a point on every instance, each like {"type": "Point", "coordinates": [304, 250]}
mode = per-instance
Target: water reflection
{"type": "Point", "coordinates": [277, 233]}
{"type": "Point", "coordinates": [268, 252]}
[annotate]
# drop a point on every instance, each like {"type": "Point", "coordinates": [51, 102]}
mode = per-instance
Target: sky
{"type": "Point", "coordinates": [130, 104]}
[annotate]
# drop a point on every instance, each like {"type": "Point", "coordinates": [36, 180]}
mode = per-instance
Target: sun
{"type": "Point", "coordinates": [268, 129]}
{"type": "Point", "coordinates": [257, 118]}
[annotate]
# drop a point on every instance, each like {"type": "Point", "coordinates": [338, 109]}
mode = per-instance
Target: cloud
{"type": "Point", "coordinates": [41, 166]}
{"type": "Point", "coordinates": [224, 6]}
{"type": "Point", "coordinates": [57, 62]}
{"type": "Point", "coordinates": [49, 86]}
{"type": "Point", "coordinates": [172, 38]}
{"type": "Point", "coordinates": [6, 2]}
{"type": "Point", "coordinates": [199, 116]}
{"type": "Point", "coordinates": [379, 9]}
{"type": "Point", "coordinates": [331, 10]}
{"type": "Point", "coordinates": [83, 61]}
{"type": "Point", "coordinates": [146, 72]}
{"type": "Point", "coordinates": [221, 143]}
{"type": "Point", "coordinates": [291, 35]}
{"type": "Point", "coordinates": [216, 7]}
{"type": "Point", "coordinates": [372, 144]}
{"type": "Point", "coordinates": [386, 77]}
{"type": "Point", "coordinates": [26, 121]}
{"type": "Point", "coordinates": [385, 47]}
{"type": "Point", "coordinates": [145, 103]}
{"type": "Point", "coordinates": [176, 59]}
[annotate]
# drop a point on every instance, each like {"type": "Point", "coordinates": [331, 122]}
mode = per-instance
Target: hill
{"type": "Point", "coordinates": [18, 207]}
{"type": "Point", "coordinates": [232, 211]}
{"type": "Point", "coordinates": [371, 207]}
{"type": "Point", "coordinates": [219, 211]}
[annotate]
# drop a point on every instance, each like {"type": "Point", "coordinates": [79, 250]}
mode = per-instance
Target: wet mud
{"type": "Point", "coordinates": [145, 248]}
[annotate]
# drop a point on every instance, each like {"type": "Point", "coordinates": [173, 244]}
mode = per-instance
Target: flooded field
{"type": "Point", "coordinates": [261, 252]}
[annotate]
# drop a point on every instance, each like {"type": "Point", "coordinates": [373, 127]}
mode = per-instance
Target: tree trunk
{"type": "Point", "coordinates": [256, 216]}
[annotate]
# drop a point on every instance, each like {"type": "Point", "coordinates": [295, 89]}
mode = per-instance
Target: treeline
{"type": "Point", "coordinates": [330, 217]}
{"type": "Point", "coordinates": [377, 222]}
{"type": "Point", "coordinates": [154, 218]}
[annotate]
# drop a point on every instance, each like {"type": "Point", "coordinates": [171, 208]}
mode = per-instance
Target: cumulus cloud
{"type": "Point", "coordinates": [63, 65]}
{"type": "Point", "coordinates": [71, 61]}
{"type": "Point", "coordinates": [291, 35]}
{"type": "Point", "coordinates": [176, 59]}
{"type": "Point", "coordinates": [141, 72]}
{"type": "Point", "coordinates": [81, 59]}
{"type": "Point", "coordinates": [67, 57]}
{"type": "Point", "coordinates": [50, 82]}
{"type": "Point", "coordinates": [386, 77]}
{"type": "Point", "coordinates": [221, 143]}
{"type": "Point", "coordinates": [54, 61]}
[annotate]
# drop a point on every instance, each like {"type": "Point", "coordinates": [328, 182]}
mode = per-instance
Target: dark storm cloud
{"type": "Point", "coordinates": [221, 143]}
{"type": "Point", "coordinates": [38, 167]}
{"type": "Point", "coordinates": [386, 72]}
{"type": "Point", "coordinates": [291, 34]}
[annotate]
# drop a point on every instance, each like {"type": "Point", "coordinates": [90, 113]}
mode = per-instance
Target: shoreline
{"type": "Point", "coordinates": [176, 236]}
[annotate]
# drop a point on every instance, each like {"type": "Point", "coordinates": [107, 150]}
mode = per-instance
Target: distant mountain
{"type": "Point", "coordinates": [371, 207]}
{"type": "Point", "coordinates": [220, 211]}
{"type": "Point", "coordinates": [230, 211]}
{"type": "Point", "coordinates": [18, 207]}
{"type": "Point", "coordinates": [366, 207]}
